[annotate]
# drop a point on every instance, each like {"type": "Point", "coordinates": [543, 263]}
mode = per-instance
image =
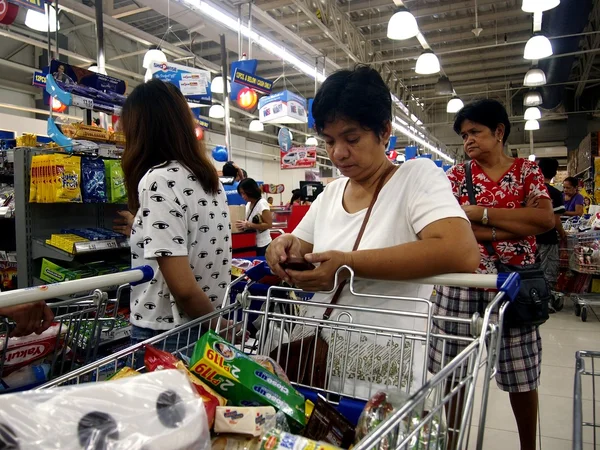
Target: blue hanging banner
{"type": "Point", "coordinates": [248, 66]}
{"type": "Point", "coordinates": [36, 5]}
{"type": "Point", "coordinates": [252, 81]}
{"type": "Point", "coordinates": [39, 78]}
{"type": "Point", "coordinates": [410, 152]}
{"type": "Point", "coordinates": [311, 119]}
{"type": "Point", "coordinates": [392, 143]}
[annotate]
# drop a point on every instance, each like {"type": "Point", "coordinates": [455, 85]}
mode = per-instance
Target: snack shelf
{"type": "Point", "coordinates": [42, 250]}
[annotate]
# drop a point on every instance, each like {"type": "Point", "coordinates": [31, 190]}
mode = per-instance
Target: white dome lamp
{"type": "Point", "coordinates": [154, 54]}
{"type": "Point", "coordinates": [532, 98]}
{"type": "Point", "coordinates": [311, 141]}
{"type": "Point", "coordinates": [148, 75]}
{"type": "Point", "coordinates": [402, 25]}
{"type": "Point", "coordinates": [538, 46]}
{"type": "Point", "coordinates": [39, 21]}
{"type": "Point", "coordinates": [532, 125]}
{"type": "Point", "coordinates": [216, 85]}
{"type": "Point", "coordinates": [216, 112]}
{"type": "Point", "coordinates": [534, 77]}
{"type": "Point", "coordinates": [256, 125]}
{"type": "Point", "coordinates": [454, 105]}
{"type": "Point", "coordinates": [533, 113]}
{"type": "Point", "coordinates": [533, 6]}
{"type": "Point", "coordinates": [427, 63]}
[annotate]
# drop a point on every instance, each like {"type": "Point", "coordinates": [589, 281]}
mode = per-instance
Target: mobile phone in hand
{"type": "Point", "coordinates": [298, 264]}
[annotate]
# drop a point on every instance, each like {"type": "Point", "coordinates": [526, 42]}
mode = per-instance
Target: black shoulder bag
{"type": "Point", "coordinates": [530, 308]}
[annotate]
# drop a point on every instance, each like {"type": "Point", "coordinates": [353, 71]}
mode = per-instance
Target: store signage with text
{"type": "Point", "coordinates": [39, 79]}
{"type": "Point", "coordinates": [299, 158]}
{"type": "Point", "coordinates": [193, 83]}
{"type": "Point", "coordinates": [37, 5]}
{"type": "Point", "coordinates": [252, 81]}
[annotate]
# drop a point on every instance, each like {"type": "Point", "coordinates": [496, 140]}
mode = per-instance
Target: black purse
{"type": "Point", "coordinates": [530, 308]}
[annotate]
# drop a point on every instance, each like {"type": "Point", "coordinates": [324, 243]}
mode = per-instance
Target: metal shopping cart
{"type": "Point", "coordinates": [585, 259]}
{"type": "Point", "coordinates": [453, 388]}
{"type": "Point", "coordinates": [587, 365]}
{"type": "Point", "coordinates": [80, 322]}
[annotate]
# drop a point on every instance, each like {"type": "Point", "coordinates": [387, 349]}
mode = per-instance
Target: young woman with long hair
{"type": "Point", "coordinates": [258, 214]}
{"type": "Point", "coordinates": [181, 227]}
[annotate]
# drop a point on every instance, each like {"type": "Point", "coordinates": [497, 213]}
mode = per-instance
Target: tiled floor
{"type": "Point", "coordinates": [562, 336]}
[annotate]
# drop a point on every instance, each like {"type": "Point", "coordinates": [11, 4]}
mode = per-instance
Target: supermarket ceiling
{"type": "Point", "coordinates": [479, 43]}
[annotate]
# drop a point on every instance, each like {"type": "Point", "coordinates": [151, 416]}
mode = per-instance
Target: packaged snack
{"type": "Point", "coordinates": [125, 372]}
{"type": "Point", "coordinates": [115, 181]}
{"type": "Point", "coordinates": [69, 172]}
{"type": "Point", "coordinates": [34, 179]}
{"type": "Point", "coordinates": [243, 419]}
{"type": "Point", "coordinates": [155, 359]}
{"type": "Point", "coordinates": [271, 365]}
{"type": "Point", "coordinates": [281, 440]}
{"type": "Point", "coordinates": [328, 425]}
{"type": "Point", "coordinates": [242, 381]}
{"type": "Point", "coordinates": [235, 442]}
{"type": "Point", "coordinates": [308, 409]}
{"type": "Point", "coordinates": [93, 180]}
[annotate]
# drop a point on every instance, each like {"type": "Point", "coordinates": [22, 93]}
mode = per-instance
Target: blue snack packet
{"type": "Point", "coordinates": [93, 184]}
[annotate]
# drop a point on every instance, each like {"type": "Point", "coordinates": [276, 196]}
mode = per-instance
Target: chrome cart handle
{"type": "Point", "coordinates": [134, 276]}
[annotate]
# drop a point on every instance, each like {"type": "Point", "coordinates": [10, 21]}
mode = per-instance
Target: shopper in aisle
{"type": "Point", "coordinates": [573, 199]}
{"type": "Point", "coordinates": [29, 318]}
{"type": "Point", "coordinates": [513, 206]}
{"type": "Point", "coordinates": [415, 229]}
{"type": "Point", "coordinates": [547, 243]}
{"type": "Point", "coordinates": [181, 227]}
{"type": "Point", "coordinates": [258, 214]}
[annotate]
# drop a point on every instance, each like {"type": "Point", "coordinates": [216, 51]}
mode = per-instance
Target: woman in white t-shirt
{"type": "Point", "coordinates": [258, 214]}
{"type": "Point", "coordinates": [416, 229]}
{"type": "Point", "coordinates": [181, 226]}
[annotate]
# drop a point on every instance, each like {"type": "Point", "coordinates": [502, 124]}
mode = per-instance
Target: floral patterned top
{"type": "Point", "coordinates": [521, 182]}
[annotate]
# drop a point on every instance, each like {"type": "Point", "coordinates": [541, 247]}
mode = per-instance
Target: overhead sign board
{"type": "Point", "coordinates": [37, 5]}
{"type": "Point", "coordinates": [252, 81]}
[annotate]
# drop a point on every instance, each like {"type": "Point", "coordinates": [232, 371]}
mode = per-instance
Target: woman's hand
{"type": "Point", "coordinates": [243, 225]}
{"type": "Point", "coordinates": [123, 223]}
{"type": "Point", "coordinates": [323, 277]}
{"type": "Point", "coordinates": [474, 212]}
{"type": "Point", "coordinates": [280, 250]}
{"type": "Point", "coordinates": [30, 318]}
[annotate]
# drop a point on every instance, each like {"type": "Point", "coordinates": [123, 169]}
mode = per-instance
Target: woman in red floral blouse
{"type": "Point", "coordinates": [513, 206]}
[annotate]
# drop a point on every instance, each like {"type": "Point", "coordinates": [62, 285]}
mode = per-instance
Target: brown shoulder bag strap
{"type": "Point", "coordinates": [340, 288]}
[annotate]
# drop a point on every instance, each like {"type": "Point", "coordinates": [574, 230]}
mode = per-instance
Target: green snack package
{"type": "Point", "coordinates": [242, 381]}
{"type": "Point", "coordinates": [115, 181]}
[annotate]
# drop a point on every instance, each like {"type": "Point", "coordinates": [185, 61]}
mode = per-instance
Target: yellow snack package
{"type": "Point", "coordinates": [33, 182]}
{"type": "Point", "coordinates": [125, 372]}
{"type": "Point", "coordinates": [43, 179]}
{"type": "Point", "coordinates": [69, 172]}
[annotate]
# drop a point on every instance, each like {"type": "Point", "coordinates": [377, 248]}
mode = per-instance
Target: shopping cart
{"type": "Point", "coordinates": [452, 389]}
{"type": "Point", "coordinates": [585, 259]}
{"type": "Point", "coordinates": [78, 326]}
{"type": "Point", "coordinates": [586, 364]}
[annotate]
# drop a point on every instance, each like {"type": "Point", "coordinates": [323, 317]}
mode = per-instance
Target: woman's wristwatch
{"type": "Point", "coordinates": [493, 234]}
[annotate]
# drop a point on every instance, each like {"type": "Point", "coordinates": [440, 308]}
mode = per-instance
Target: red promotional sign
{"type": "Point", "coordinates": [299, 158]}
{"type": "Point", "coordinates": [8, 12]}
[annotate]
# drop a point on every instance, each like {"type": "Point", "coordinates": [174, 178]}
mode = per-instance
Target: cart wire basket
{"type": "Point", "coordinates": [400, 359]}
{"type": "Point", "coordinates": [78, 325]}
{"type": "Point", "coordinates": [587, 367]}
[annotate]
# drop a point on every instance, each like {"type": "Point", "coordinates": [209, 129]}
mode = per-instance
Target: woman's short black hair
{"type": "Point", "coordinates": [549, 167]}
{"type": "Point", "coordinates": [572, 181]}
{"type": "Point", "coordinates": [360, 95]}
{"type": "Point", "coordinates": [487, 112]}
{"type": "Point", "coordinates": [250, 188]}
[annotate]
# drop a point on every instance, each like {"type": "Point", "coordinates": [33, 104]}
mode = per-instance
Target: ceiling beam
{"type": "Point", "coordinates": [127, 11]}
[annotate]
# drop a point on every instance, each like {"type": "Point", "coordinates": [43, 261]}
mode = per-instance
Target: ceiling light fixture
{"type": "Point", "coordinates": [443, 86]}
{"type": "Point", "coordinates": [532, 125]}
{"type": "Point", "coordinates": [532, 158]}
{"type": "Point", "coordinates": [454, 105]}
{"type": "Point", "coordinates": [216, 85]}
{"type": "Point", "coordinates": [148, 75]}
{"type": "Point", "coordinates": [406, 132]}
{"type": "Point", "coordinates": [152, 55]}
{"type": "Point", "coordinates": [534, 77]}
{"type": "Point", "coordinates": [533, 6]}
{"type": "Point", "coordinates": [427, 63]}
{"type": "Point", "coordinates": [216, 112]}
{"type": "Point", "coordinates": [537, 47]}
{"type": "Point", "coordinates": [39, 21]}
{"type": "Point", "coordinates": [256, 125]}
{"type": "Point", "coordinates": [311, 141]}
{"type": "Point", "coordinates": [532, 98]}
{"type": "Point", "coordinates": [402, 25]}
{"type": "Point", "coordinates": [533, 113]}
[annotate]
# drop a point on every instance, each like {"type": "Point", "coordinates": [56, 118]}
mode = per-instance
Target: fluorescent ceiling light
{"type": "Point", "coordinates": [443, 86]}
{"type": "Point", "coordinates": [402, 25]}
{"type": "Point", "coordinates": [533, 6]}
{"type": "Point", "coordinates": [152, 55]}
{"type": "Point", "coordinates": [406, 132]}
{"type": "Point", "coordinates": [534, 77]}
{"type": "Point", "coordinates": [532, 98]}
{"type": "Point", "coordinates": [454, 105]}
{"type": "Point", "coordinates": [532, 125]}
{"type": "Point", "coordinates": [533, 113]}
{"type": "Point", "coordinates": [39, 22]}
{"type": "Point", "coordinates": [256, 125]}
{"type": "Point", "coordinates": [216, 112]}
{"type": "Point", "coordinates": [216, 86]}
{"type": "Point", "coordinates": [537, 47]}
{"type": "Point", "coordinates": [427, 63]}
{"type": "Point", "coordinates": [311, 141]}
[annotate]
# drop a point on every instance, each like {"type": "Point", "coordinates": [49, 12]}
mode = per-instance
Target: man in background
{"type": "Point", "coordinates": [548, 243]}
{"type": "Point", "coordinates": [232, 171]}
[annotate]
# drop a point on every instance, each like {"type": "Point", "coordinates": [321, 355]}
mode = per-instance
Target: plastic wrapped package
{"type": "Point", "coordinates": [153, 411]}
